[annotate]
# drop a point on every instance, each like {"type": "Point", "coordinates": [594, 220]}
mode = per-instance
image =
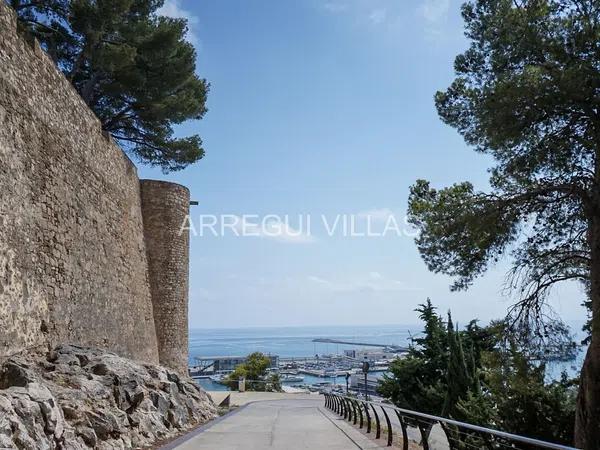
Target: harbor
{"type": "Point", "coordinates": [311, 373]}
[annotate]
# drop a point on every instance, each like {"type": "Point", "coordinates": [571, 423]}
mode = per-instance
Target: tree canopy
{"type": "Point", "coordinates": [482, 376]}
{"type": "Point", "coordinates": [419, 382]}
{"type": "Point", "coordinates": [527, 93]}
{"type": "Point", "coordinates": [133, 68]}
{"type": "Point", "coordinates": [255, 371]}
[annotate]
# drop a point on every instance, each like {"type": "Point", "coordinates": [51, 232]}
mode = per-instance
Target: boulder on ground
{"type": "Point", "coordinates": [78, 398]}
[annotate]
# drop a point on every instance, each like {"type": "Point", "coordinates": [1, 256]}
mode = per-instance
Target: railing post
{"type": "Point", "coordinates": [378, 433]}
{"type": "Point", "coordinates": [404, 432]}
{"type": "Point", "coordinates": [354, 411]}
{"type": "Point", "coordinates": [360, 412]}
{"type": "Point", "coordinates": [349, 407]}
{"type": "Point", "coordinates": [424, 434]}
{"type": "Point", "coordinates": [424, 437]}
{"type": "Point", "coordinates": [368, 417]}
{"type": "Point", "coordinates": [389, 425]}
{"type": "Point", "coordinates": [449, 435]}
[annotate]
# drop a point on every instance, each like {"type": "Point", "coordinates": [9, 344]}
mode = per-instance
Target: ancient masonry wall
{"type": "Point", "coordinates": [164, 208]}
{"type": "Point", "coordinates": [73, 258]}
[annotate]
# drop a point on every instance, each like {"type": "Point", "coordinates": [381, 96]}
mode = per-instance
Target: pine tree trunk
{"type": "Point", "coordinates": [587, 421]}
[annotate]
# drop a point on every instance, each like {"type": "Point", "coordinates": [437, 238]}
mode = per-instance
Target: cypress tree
{"type": "Point", "coordinates": [459, 377]}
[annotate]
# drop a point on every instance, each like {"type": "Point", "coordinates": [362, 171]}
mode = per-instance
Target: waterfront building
{"type": "Point", "coordinates": [357, 384]}
{"type": "Point", "coordinates": [229, 363]}
{"type": "Point", "coordinates": [370, 355]}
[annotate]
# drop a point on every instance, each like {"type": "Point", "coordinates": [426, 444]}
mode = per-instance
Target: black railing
{"type": "Point", "coordinates": [427, 429]}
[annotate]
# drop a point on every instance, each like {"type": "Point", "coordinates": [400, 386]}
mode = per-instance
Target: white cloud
{"type": "Point", "coordinates": [434, 14]}
{"type": "Point", "coordinates": [173, 8]}
{"type": "Point", "coordinates": [276, 230]}
{"type": "Point", "coordinates": [318, 280]}
{"type": "Point", "coordinates": [434, 11]}
{"type": "Point", "coordinates": [378, 16]}
{"type": "Point", "coordinates": [391, 14]}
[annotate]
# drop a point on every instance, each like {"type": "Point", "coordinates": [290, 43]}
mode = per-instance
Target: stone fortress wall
{"type": "Point", "coordinates": [164, 208]}
{"type": "Point", "coordinates": [77, 257]}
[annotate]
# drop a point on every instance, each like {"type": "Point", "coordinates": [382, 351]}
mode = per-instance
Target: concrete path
{"type": "Point", "coordinates": [289, 424]}
{"type": "Point", "coordinates": [242, 398]}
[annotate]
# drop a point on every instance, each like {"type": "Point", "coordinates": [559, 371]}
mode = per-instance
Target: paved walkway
{"type": "Point", "coordinates": [289, 424]}
{"type": "Point", "coordinates": [242, 398]}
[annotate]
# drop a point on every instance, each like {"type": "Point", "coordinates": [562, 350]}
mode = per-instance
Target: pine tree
{"type": "Point", "coordinates": [526, 94]}
{"type": "Point", "coordinates": [418, 381]}
{"type": "Point", "coordinates": [459, 378]}
{"type": "Point", "coordinates": [132, 67]}
{"type": "Point", "coordinates": [433, 345]}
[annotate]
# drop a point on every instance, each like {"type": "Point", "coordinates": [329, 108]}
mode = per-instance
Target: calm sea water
{"type": "Point", "coordinates": [297, 342]}
{"type": "Point", "coordinates": [292, 341]}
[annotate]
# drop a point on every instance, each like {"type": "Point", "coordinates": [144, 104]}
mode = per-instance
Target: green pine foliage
{"type": "Point", "coordinates": [132, 67]}
{"type": "Point", "coordinates": [516, 397]}
{"type": "Point", "coordinates": [525, 94]}
{"type": "Point", "coordinates": [483, 376]}
{"type": "Point", "coordinates": [458, 373]}
{"type": "Point", "coordinates": [418, 381]}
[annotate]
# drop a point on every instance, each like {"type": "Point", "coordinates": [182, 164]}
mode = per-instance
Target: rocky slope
{"type": "Point", "coordinates": [79, 398]}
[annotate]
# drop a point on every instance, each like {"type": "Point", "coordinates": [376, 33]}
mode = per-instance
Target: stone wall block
{"type": "Point", "coordinates": [73, 263]}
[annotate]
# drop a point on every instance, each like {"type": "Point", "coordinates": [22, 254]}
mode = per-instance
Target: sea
{"type": "Point", "coordinates": [298, 342]}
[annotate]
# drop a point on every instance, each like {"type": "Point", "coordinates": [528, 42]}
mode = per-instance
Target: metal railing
{"type": "Point", "coordinates": [458, 435]}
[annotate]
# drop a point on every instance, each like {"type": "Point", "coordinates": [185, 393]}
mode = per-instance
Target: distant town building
{"type": "Point", "coordinates": [370, 355]}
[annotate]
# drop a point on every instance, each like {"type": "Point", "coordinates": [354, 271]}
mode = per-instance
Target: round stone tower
{"type": "Point", "coordinates": [165, 207]}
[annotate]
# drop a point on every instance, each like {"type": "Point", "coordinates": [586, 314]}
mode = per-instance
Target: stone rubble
{"type": "Point", "coordinates": [79, 398]}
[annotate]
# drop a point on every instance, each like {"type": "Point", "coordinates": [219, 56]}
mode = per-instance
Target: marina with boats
{"type": "Point", "coordinates": [311, 373]}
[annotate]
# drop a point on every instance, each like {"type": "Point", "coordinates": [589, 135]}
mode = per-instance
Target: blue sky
{"type": "Point", "coordinates": [325, 108]}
